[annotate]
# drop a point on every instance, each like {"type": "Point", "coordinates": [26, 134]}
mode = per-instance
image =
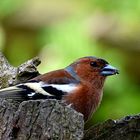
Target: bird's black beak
{"type": "Point", "coordinates": [109, 70]}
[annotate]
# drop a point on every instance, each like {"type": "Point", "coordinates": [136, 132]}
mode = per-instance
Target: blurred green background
{"type": "Point", "coordinates": [61, 31]}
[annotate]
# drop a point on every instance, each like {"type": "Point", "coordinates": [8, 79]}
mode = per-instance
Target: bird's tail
{"type": "Point", "coordinates": [30, 91]}
{"type": "Point", "coordinates": [13, 93]}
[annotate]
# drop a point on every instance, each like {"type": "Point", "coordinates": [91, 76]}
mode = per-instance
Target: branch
{"type": "Point", "coordinates": [127, 128]}
{"type": "Point", "coordinates": [10, 75]}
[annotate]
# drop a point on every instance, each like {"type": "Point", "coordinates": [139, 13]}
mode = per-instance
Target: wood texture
{"type": "Point", "coordinates": [39, 120]}
{"type": "Point", "coordinates": [127, 128]}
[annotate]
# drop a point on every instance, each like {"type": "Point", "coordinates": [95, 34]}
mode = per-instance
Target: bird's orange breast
{"type": "Point", "coordinates": [84, 100]}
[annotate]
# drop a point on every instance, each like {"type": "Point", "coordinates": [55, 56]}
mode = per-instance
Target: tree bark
{"type": "Point", "coordinates": [127, 128]}
{"type": "Point", "coordinates": [39, 120]}
{"type": "Point", "coordinates": [10, 75]}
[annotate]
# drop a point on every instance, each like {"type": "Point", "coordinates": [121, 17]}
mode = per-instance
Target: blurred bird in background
{"type": "Point", "coordinates": [80, 84]}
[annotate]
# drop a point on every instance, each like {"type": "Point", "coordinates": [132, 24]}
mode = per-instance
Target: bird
{"type": "Point", "coordinates": [80, 85]}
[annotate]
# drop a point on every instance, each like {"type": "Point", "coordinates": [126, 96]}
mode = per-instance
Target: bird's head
{"type": "Point", "coordinates": [91, 68]}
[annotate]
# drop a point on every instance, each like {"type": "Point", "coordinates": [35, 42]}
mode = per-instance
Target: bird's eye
{"type": "Point", "coordinates": [93, 64]}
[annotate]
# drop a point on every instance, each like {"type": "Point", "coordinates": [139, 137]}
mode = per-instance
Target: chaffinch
{"type": "Point", "coordinates": [79, 84]}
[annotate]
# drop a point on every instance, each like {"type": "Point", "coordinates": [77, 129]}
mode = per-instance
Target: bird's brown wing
{"type": "Point", "coordinates": [50, 85]}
